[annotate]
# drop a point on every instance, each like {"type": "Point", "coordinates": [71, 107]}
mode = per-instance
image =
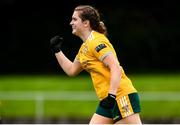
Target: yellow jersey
{"type": "Point", "coordinates": [91, 54]}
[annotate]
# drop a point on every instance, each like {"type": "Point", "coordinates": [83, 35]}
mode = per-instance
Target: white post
{"type": "Point", "coordinates": [39, 108]}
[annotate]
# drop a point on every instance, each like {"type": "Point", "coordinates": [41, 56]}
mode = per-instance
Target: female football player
{"type": "Point", "coordinates": [118, 99]}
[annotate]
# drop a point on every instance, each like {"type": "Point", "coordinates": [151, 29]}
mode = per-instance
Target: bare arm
{"type": "Point", "coordinates": [115, 72]}
{"type": "Point", "coordinates": [70, 68]}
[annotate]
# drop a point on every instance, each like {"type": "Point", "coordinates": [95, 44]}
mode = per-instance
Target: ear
{"type": "Point", "coordinates": [86, 23]}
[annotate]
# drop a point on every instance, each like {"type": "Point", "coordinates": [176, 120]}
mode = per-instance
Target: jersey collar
{"type": "Point", "coordinates": [91, 36]}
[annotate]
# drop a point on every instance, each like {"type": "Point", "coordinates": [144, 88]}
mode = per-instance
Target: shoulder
{"type": "Point", "coordinates": [97, 40]}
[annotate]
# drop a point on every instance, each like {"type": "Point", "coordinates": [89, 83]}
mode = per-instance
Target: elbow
{"type": "Point", "coordinates": [71, 74]}
{"type": "Point", "coordinates": [73, 71]}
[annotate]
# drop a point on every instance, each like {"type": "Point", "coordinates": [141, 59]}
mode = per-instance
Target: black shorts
{"type": "Point", "coordinates": [124, 107]}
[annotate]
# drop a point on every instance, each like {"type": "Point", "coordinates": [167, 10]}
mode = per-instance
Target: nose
{"type": "Point", "coordinates": [71, 23]}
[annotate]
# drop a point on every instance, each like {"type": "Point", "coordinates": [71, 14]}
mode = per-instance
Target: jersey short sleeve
{"type": "Point", "coordinates": [101, 49]}
{"type": "Point", "coordinates": [77, 57]}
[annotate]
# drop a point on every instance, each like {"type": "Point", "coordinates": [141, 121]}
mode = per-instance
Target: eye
{"type": "Point", "coordinates": [74, 19]}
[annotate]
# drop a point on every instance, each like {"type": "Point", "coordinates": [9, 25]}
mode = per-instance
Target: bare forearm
{"type": "Point", "coordinates": [115, 73]}
{"type": "Point", "coordinates": [115, 79]}
{"type": "Point", "coordinates": [64, 62]}
{"type": "Point", "coordinates": [70, 68]}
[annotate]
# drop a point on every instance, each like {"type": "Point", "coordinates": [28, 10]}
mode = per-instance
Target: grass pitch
{"type": "Point", "coordinates": [84, 109]}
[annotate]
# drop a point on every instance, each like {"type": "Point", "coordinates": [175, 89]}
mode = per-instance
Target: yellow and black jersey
{"type": "Point", "coordinates": [91, 54]}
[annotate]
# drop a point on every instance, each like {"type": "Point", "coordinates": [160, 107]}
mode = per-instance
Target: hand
{"type": "Point", "coordinates": [108, 102]}
{"type": "Point", "coordinates": [56, 43]}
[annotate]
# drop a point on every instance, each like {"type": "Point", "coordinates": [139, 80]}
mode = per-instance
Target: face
{"type": "Point", "coordinates": [77, 24]}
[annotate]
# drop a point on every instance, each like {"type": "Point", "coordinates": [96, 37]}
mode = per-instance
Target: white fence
{"type": "Point", "coordinates": [81, 95]}
{"type": "Point", "coordinates": [40, 96]}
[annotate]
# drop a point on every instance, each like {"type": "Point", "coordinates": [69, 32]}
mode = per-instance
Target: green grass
{"type": "Point", "coordinates": [77, 109]}
{"type": "Point", "coordinates": [156, 82]}
{"type": "Point", "coordinates": [44, 82]}
{"type": "Point", "coordinates": [161, 109]}
{"type": "Point", "coordinates": [142, 82]}
{"type": "Point", "coordinates": [17, 108]}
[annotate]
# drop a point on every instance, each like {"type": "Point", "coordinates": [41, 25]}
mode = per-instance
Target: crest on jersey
{"type": "Point", "coordinates": [100, 47]}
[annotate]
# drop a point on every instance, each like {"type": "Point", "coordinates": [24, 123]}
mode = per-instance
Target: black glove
{"type": "Point", "coordinates": [56, 43]}
{"type": "Point", "coordinates": [108, 102]}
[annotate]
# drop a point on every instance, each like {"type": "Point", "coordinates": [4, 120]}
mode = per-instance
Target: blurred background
{"type": "Point", "coordinates": [34, 89]}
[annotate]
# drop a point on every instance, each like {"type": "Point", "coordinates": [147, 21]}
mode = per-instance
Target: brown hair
{"type": "Point", "coordinates": [92, 14]}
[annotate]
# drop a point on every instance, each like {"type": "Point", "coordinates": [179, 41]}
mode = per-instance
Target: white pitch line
{"type": "Point", "coordinates": [82, 95]}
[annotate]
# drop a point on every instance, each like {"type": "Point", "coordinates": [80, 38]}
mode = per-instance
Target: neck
{"type": "Point", "coordinates": [84, 36]}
